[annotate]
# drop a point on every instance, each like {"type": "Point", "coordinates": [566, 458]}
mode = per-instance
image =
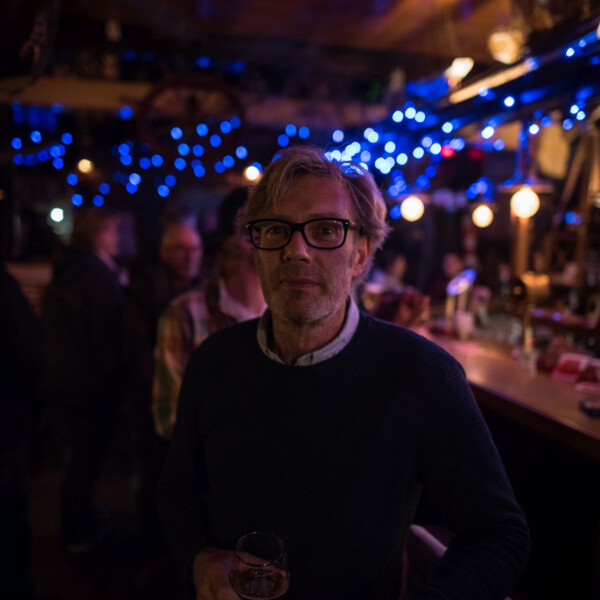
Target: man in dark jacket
{"type": "Point", "coordinates": [20, 371]}
{"type": "Point", "coordinates": [82, 317]}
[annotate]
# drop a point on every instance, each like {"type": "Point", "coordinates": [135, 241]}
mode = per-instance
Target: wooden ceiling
{"type": "Point", "coordinates": [377, 36]}
{"type": "Point", "coordinates": [430, 27]}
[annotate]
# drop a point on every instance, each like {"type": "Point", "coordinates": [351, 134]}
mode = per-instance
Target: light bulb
{"type": "Point", "coordinates": [57, 215]}
{"type": "Point", "coordinates": [525, 203]}
{"type": "Point", "coordinates": [458, 70]}
{"type": "Point", "coordinates": [482, 215]}
{"type": "Point", "coordinates": [85, 165]}
{"type": "Point", "coordinates": [251, 173]}
{"type": "Point", "coordinates": [412, 208]}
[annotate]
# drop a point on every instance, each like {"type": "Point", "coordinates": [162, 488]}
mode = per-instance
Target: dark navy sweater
{"type": "Point", "coordinates": [333, 458]}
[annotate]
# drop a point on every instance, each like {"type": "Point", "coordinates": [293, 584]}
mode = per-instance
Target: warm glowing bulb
{"type": "Point", "coordinates": [251, 173]}
{"type": "Point", "coordinates": [85, 165]}
{"type": "Point", "coordinates": [459, 68]}
{"type": "Point", "coordinates": [412, 208]}
{"type": "Point", "coordinates": [482, 215]}
{"type": "Point", "coordinates": [57, 215]}
{"type": "Point", "coordinates": [525, 203]}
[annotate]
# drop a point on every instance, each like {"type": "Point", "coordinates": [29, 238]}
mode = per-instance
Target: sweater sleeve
{"type": "Point", "coordinates": [465, 481]}
{"type": "Point", "coordinates": [183, 485]}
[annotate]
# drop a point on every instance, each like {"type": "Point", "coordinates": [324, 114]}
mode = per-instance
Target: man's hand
{"type": "Point", "coordinates": [211, 575]}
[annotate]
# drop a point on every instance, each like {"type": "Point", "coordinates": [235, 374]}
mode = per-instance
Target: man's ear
{"type": "Point", "coordinates": [361, 256]}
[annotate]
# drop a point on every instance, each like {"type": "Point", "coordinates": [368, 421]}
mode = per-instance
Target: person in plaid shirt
{"type": "Point", "coordinates": [235, 295]}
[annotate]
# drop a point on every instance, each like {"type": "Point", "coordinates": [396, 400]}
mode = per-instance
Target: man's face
{"type": "Point", "coordinates": [107, 239]}
{"type": "Point", "coordinates": [181, 251]}
{"type": "Point", "coordinates": [302, 284]}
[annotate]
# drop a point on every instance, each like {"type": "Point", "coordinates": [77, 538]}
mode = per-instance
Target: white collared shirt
{"type": "Point", "coordinates": [334, 347]}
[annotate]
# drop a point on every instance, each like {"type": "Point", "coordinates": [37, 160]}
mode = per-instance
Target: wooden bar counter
{"type": "Point", "coordinates": [546, 405]}
{"type": "Point", "coordinates": [551, 451]}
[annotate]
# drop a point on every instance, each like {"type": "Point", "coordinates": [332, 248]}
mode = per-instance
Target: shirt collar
{"type": "Point", "coordinates": [331, 349]}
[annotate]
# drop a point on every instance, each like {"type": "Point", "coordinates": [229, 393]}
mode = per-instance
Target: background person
{"type": "Point", "coordinates": [232, 296]}
{"type": "Point", "coordinates": [152, 286]}
{"type": "Point", "coordinates": [82, 315]}
{"type": "Point", "coordinates": [20, 370]}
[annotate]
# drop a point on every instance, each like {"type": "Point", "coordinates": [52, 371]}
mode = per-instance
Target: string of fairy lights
{"type": "Point", "coordinates": [412, 141]}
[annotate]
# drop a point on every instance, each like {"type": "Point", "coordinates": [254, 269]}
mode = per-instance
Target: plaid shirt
{"type": "Point", "coordinates": [187, 321]}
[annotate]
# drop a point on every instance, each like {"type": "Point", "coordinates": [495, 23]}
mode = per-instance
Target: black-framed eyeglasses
{"type": "Point", "coordinates": [274, 234]}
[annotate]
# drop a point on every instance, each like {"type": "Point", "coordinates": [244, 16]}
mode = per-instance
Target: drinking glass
{"type": "Point", "coordinates": [260, 567]}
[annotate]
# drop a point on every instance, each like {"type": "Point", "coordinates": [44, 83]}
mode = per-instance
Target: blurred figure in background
{"type": "Point", "coordinates": [387, 297]}
{"type": "Point", "coordinates": [82, 315]}
{"type": "Point", "coordinates": [20, 372]}
{"type": "Point", "coordinates": [452, 265]}
{"type": "Point", "coordinates": [233, 295]}
{"type": "Point", "coordinates": [152, 287]}
{"type": "Point", "coordinates": [390, 269]}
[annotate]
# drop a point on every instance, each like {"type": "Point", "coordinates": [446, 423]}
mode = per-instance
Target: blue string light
{"type": "Point", "coordinates": [125, 113]}
{"type": "Point", "coordinates": [77, 199]}
{"type": "Point", "coordinates": [337, 136]}
{"type": "Point", "coordinates": [176, 133]}
{"type": "Point", "coordinates": [304, 132]}
{"type": "Point", "coordinates": [98, 200]}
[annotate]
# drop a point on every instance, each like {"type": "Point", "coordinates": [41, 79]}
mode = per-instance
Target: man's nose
{"type": "Point", "coordinates": [297, 247]}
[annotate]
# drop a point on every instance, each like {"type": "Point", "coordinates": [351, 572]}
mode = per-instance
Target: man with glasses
{"type": "Point", "coordinates": [323, 425]}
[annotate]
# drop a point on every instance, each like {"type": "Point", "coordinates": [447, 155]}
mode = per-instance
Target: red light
{"type": "Point", "coordinates": [475, 154]}
{"type": "Point", "coordinates": [447, 152]}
